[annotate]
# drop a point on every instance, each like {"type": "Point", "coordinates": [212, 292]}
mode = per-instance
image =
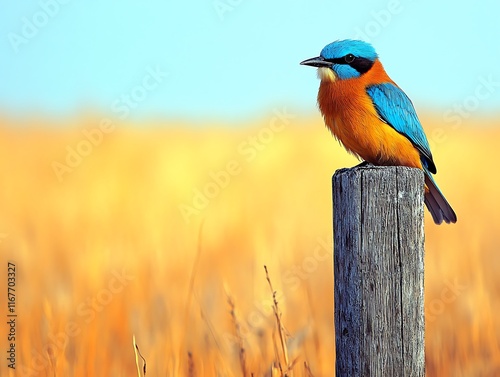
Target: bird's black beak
{"type": "Point", "coordinates": [317, 62]}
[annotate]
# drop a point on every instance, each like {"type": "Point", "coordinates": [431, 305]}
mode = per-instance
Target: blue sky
{"type": "Point", "coordinates": [236, 58]}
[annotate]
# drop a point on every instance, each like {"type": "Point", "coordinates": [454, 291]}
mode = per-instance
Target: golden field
{"type": "Point", "coordinates": [160, 230]}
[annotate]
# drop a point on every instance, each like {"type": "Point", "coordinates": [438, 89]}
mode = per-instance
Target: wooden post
{"type": "Point", "coordinates": [379, 271]}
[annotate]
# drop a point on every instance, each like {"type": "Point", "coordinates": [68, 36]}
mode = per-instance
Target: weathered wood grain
{"type": "Point", "coordinates": [379, 271]}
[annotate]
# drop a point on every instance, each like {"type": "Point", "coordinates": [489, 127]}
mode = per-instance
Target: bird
{"type": "Point", "coordinates": [372, 117]}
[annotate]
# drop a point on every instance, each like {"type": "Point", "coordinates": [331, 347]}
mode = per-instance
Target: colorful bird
{"type": "Point", "coordinates": [372, 117]}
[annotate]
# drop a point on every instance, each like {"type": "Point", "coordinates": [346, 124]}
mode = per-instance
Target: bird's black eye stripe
{"type": "Point", "coordinates": [337, 60]}
{"type": "Point", "coordinates": [361, 65]}
{"type": "Point", "coordinates": [349, 58]}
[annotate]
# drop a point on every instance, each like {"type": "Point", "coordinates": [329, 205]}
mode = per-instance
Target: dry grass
{"type": "Point", "coordinates": [106, 253]}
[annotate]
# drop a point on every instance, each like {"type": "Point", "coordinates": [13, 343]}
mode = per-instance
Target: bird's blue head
{"type": "Point", "coordinates": [342, 60]}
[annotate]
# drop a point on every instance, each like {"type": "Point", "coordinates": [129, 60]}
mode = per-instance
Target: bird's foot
{"type": "Point", "coordinates": [364, 163]}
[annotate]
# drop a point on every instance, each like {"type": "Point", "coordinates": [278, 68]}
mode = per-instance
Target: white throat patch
{"type": "Point", "coordinates": [326, 74]}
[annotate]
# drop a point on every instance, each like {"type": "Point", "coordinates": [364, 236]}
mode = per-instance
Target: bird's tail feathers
{"type": "Point", "coordinates": [437, 204]}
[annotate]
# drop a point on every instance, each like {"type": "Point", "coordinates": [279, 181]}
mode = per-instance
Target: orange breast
{"type": "Point", "coordinates": [350, 115]}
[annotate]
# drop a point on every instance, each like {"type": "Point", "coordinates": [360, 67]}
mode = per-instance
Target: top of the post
{"type": "Point", "coordinates": [367, 167]}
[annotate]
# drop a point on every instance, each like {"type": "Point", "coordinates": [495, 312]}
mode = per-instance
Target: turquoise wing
{"type": "Point", "coordinates": [395, 108]}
